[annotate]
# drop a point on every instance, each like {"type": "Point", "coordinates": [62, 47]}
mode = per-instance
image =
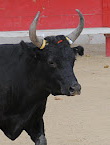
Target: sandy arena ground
{"type": "Point", "coordinates": [84, 119]}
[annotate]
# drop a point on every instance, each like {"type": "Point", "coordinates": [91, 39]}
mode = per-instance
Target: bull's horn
{"type": "Point", "coordinates": [74, 35]}
{"type": "Point", "coordinates": [38, 41]}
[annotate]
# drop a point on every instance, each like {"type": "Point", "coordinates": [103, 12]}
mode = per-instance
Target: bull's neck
{"type": "Point", "coordinates": [36, 76]}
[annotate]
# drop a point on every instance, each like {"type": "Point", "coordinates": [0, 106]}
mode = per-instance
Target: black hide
{"type": "Point", "coordinates": [27, 76]}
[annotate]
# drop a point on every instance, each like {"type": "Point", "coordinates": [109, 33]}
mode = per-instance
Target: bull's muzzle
{"type": "Point", "coordinates": [75, 90]}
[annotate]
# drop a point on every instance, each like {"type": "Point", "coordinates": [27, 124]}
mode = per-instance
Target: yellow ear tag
{"type": "Point", "coordinates": [43, 44]}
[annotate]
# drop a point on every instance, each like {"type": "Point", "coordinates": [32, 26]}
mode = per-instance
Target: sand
{"type": "Point", "coordinates": [83, 119]}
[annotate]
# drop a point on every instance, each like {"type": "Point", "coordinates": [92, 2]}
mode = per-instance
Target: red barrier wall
{"type": "Point", "coordinates": [55, 14]}
{"type": "Point", "coordinates": [106, 13]}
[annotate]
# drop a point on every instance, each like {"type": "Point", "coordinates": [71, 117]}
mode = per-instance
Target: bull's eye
{"type": "Point", "coordinates": [52, 63]}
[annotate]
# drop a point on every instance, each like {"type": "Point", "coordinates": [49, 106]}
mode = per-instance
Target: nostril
{"type": "Point", "coordinates": [76, 89]}
{"type": "Point", "coordinates": [71, 89]}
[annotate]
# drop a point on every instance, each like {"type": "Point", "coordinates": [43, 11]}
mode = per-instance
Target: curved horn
{"type": "Point", "coordinates": [74, 35]}
{"type": "Point", "coordinates": [32, 32]}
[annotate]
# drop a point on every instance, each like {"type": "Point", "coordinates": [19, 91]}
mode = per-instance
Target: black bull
{"type": "Point", "coordinates": [27, 76]}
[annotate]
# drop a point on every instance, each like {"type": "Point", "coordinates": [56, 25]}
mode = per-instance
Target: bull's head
{"type": "Point", "coordinates": [58, 57]}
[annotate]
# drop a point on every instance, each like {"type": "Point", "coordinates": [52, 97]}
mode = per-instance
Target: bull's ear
{"type": "Point", "coordinates": [78, 50]}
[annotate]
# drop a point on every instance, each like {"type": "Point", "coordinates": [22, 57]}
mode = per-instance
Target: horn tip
{"type": "Point", "coordinates": [77, 10]}
{"type": "Point", "coordinates": [80, 14]}
{"type": "Point", "coordinates": [38, 12]}
{"type": "Point", "coordinates": [37, 15]}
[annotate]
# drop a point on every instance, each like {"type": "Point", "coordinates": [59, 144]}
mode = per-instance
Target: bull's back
{"type": "Point", "coordinates": [9, 53]}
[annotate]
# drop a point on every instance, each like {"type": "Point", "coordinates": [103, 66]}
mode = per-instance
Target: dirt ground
{"type": "Point", "coordinates": [83, 119]}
